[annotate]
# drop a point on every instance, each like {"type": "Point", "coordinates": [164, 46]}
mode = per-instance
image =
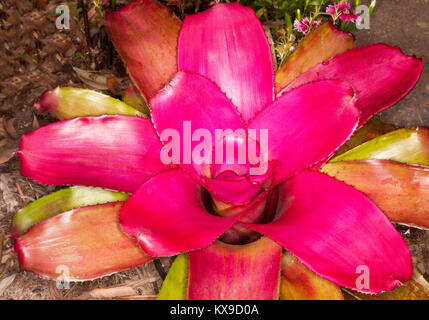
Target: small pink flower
{"type": "Point", "coordinates": [304, 25]}
{"type": "Point", "coordinates": [316, 24]}
{"type": "Point", "coordinates": [342, 11]}
{"type": "Point", "coordinates": [331, 9]}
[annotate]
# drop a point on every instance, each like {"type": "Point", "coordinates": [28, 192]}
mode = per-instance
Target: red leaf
{"type": "Point", "coordinates": [145, 35]}
{"type": "Point", "coordinates": [83, 243]}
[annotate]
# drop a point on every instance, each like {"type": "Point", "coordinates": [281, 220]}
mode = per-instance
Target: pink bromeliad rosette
{"type": "Point", "coordinates": [215, 72]}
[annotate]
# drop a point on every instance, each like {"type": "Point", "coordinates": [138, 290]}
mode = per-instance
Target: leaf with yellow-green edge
{"type": "Point", "coordinates": [80, 244]}
{"type": "Point", "coordinates": [403, 145]}
{"type": "Point", "coordinates": [390, 170]}
{"type": "Point", "coordinates": [300, 283]}
{"type": "Point", "coordinates": [319, 45]}
{"type": "Point", "coordinates": [61, 201]}
{"type": "Point", "coordinates": [175, 284]}
{"type": "Point", "coordinates": [69, 102]}
{"type": "Point", "coordinates": [370, 130]}
{"type": "Point", "coordinates": [417, 288]}
{"type": "Point", "coordinates": [133, 98]}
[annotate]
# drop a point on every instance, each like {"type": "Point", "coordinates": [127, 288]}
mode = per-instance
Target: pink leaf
{"type": "Point", "coordinates": [297, 136]}
{"type": "Point", "coordinates": [339, 234]}
{"type": "Point", "coordinates": [380, 75]}
{"type": "Point", "coordinates": [114, 152]}
{"type": "Point", "coordinates": [228, 45]}
{"type": "Point", "coordinates": [189, 103]}
{"type": "Point", "coordinates": [167, 216]}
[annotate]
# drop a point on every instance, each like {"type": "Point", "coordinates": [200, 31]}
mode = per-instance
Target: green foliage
{"type": "Point", "coordinates": [176, 282]}
{"type": "Point", "coordinates": [275, 10]}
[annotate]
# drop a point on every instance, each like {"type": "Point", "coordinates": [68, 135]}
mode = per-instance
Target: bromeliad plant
{"type": "Point", "coordinates": [216, 71]}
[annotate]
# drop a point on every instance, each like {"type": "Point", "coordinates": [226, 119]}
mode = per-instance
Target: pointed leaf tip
{"type": "Point", "coordinates": [175, 284]}
{"type": "Point", "coordinates": [403, 145]}
{"type": "Point", "coordinates": [133, 98]}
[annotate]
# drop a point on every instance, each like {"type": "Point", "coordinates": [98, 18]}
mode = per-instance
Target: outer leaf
{"type": "Point", "coordinates": [235, 272]}
{"type": "Point", "coordinates": [403, 145]}
{"type": "Point", "coordinates": [300, 283]}
{"type": "Point", "coordinates": [336, 231]}
{"type": "Point", "coordinates": [370, 130]}
{"type": "Point", "coordinates": [321, 44]}
{"type": "Point", "coordinates": [67, 103]}
{"type": "Point", "coordinates": [416, 288]}
{"type": "Point", "coordinates": [61, 201]}
{"type": "Point", "coordinates": [228, 45]}
{"type": "Point", "coordinates": [84, 243]}
{"type": "Point", "coordinates": [145, 34]}
{"type": "Point", "coordinates": [175, 284]}
{"type": "Point", "coordinates": [113, 152]}
{"type": "Point", "coordinates": [401, 191]}
{"type": "Point", "coordinates": [380, 75]}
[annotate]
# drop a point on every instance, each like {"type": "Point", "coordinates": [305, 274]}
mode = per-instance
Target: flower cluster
{"type": "Point", "coordinates": [342, 11]}
{"type": "Point", "coordinates": [305, 26]}
{"type": "Point", "coordinates": [339, 11]}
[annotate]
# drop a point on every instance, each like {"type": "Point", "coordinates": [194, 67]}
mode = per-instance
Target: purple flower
{"type": "Point", "coordinates": [331, 9]}
{"type": "Point", "coordinates": [304, 25]}
{"type": "Point", "coordinates": [342, 11]}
